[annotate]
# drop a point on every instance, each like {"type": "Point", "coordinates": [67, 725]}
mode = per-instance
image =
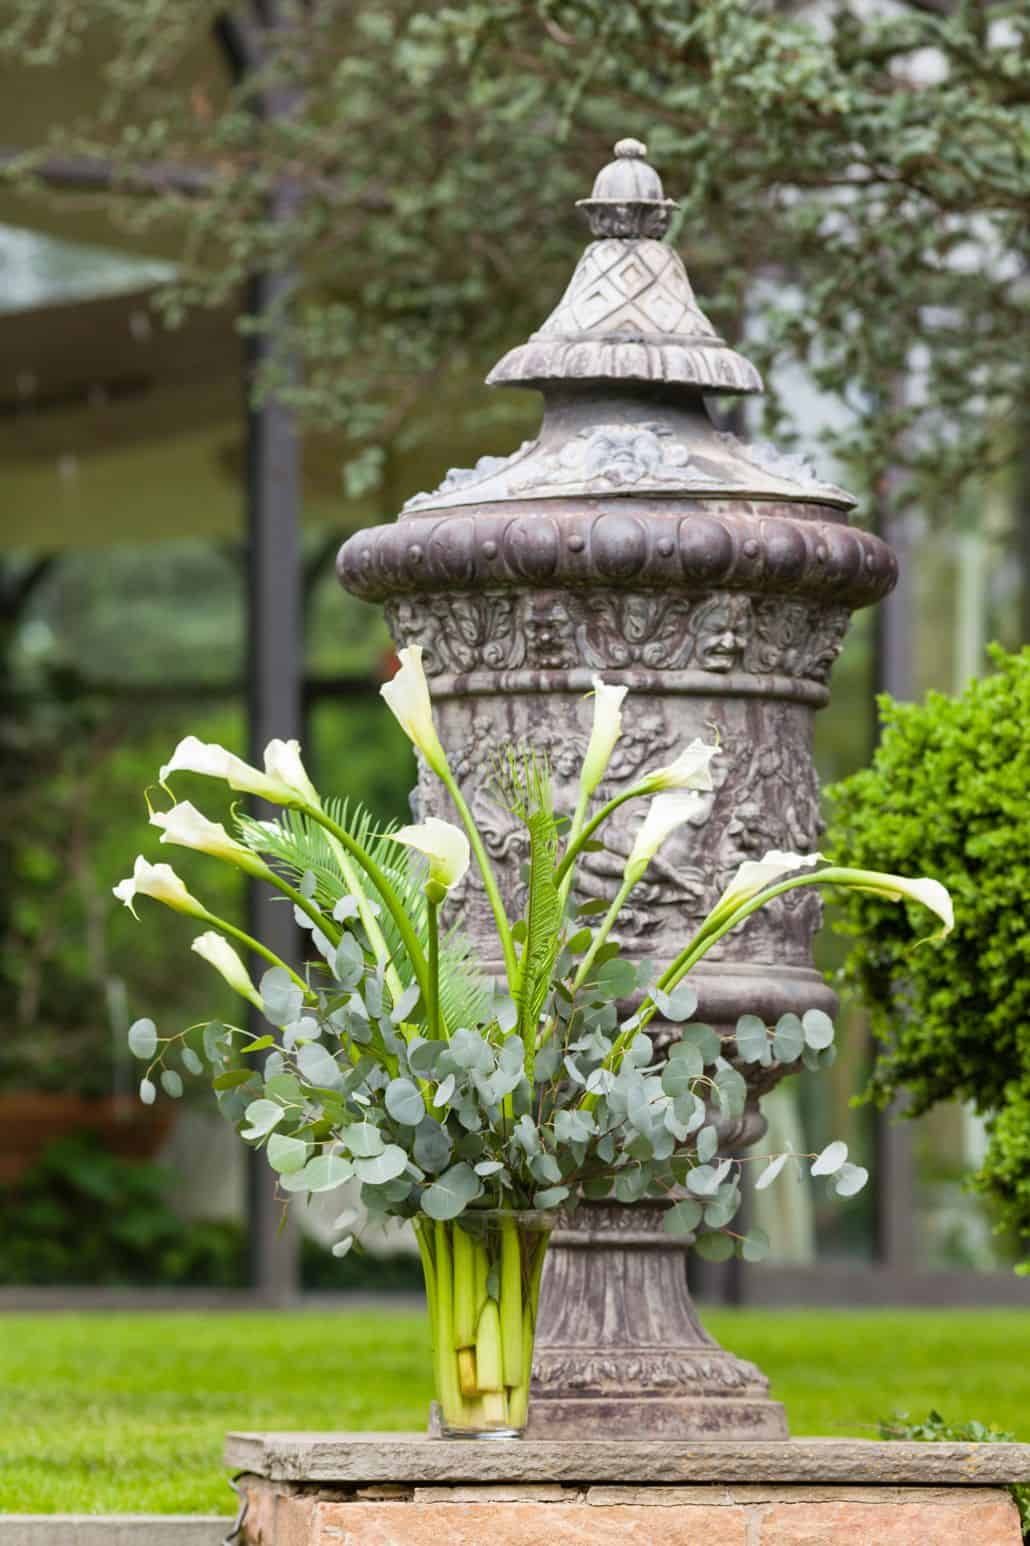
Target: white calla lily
{"type": "Point", "coordinates": [665, 813]}
{"type": "Point", "coordinates": [284, 781]}
{"type": "Point", "coordinates": [444, 845]}
{"type": "Point", "coordinates": [407, 697]}
{"type": "Point", "coordinates": [221, 955]}
{"type": "Point", "coordinates": [755, 874]}
{"type": "Point", "coordinates": [691, 769]}
{"type": "Point", "coordinates": [606, 729]}
{"type": "Point", "coordinates": [187, 827]}
{"type": "Point", "coordinates": [896, 888]}
{"type": "Point", "coordinates": [160, 882]}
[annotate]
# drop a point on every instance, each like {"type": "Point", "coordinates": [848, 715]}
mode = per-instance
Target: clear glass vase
{"type": "Point", "coordinates": [482, 1273]}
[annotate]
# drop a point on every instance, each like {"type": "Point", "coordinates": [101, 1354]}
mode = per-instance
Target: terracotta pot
{"type": "Point", "coordinates": [30, 1119]}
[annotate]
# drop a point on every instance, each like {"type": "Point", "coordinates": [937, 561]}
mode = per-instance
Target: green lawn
{"type": "Point", "coordinates": [127, 1412]}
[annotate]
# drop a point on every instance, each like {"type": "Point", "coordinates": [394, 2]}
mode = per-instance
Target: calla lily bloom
{"type": "Point", "coordinates": [690, 770]}
{"type": "Point", "coordinates": [755, 874]}
{"type": "Point", "coordinates": [221, 955]}
{"type": "Point", "coordinates": [444, 845]}
{"type": "Point", "coordinates": [284, 781]}
{"type": "Point", "coordinates": [665, 814]}
{"type": "Point", "coordinates": [160, 882]}
{"type": "Point", "coordinates": [607, 728]}
{"type": "Point", "coordinates": [407, 697]}
{"type": "Point", "coordinates": [896, 888]}
{"type": "Point", "coordinates": [189, 828]}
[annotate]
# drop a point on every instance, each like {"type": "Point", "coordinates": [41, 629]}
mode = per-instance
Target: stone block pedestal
{"type": "Point", "coordinates": [363, 1489]}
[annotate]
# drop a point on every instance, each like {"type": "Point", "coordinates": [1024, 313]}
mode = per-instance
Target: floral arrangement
{"type": "Point", "coordinates": [470, 1107]}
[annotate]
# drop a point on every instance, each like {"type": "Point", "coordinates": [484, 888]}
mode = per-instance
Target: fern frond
{"type": "Point", "coordinates": [295, 845]}
{"type": "Point", "coordinates": [543, 921]}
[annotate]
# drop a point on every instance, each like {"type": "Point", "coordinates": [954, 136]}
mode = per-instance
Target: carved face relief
{"type": "Point", "coordinates": [550, 643]}
{"type": "Point", "coordinates": [828, 641]}
{"type": "Point", "coordinates": [722, 630]}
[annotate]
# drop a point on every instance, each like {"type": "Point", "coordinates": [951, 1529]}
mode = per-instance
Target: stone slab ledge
{"type": "Point", "coordinates": [402, 1459]}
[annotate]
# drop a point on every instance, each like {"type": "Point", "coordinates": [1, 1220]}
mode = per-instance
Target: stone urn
{"type": "Point", "coordinates": [635, 540]}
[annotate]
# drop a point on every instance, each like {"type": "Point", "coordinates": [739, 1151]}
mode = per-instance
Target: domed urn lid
{"type": "Point", "coordinates": [629, 313]}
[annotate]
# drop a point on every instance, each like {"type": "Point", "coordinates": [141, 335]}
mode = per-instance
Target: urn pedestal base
{"type": "Point", "coordinates": [621, 1349]}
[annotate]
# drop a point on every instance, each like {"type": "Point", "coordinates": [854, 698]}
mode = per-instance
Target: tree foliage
{"type": "Point", "coordinates": [947, 794]}
{"type": "Point", "coordinates": [421, 161]}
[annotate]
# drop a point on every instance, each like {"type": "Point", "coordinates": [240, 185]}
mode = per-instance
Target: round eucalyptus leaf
{"type": "Point", "coordinates": [714, 1247]}
{"type": "Point", "coordinates": [318, 1066]}
{"type": "Point", "coordinates": [444, 1091]}
{"type": "Point", "coordinates": [432, 1146]}
{"type": "Point", "coordinates": [452, 1192]}
{"type": "Point", "coordinates": [632, 1183]}
{"type": "Point", "coordinates": [262, 1116]}
{"type": "Point", "coordinates": [721, 1210]}
{"type": "Point", "coordinates": [818, 1029]}
{"type": "Point", "coordinates": [382, 1167]}
{"type": "Point", "coordinates": [363, 1139]}
{"type": "Point", "coordinates": [322, 1174]}
{"type": "Point", "coordinates": [469, 1051]}
{"type": "Point", "coordinates": [755, 1245]}
{"type": "Point", "coordinates": [752, 1039]}
{"type": "Point", "coordinates": [731, 1090]}
{"type": "Point", "coordinates": [191, 1062]}
{"type": "Point", "coordinates": [771, 1171]}
{"type": "Point", "coordinates": [703, 1181]}
{"type": "Point", "coordinates": [831, 1160]}
{"type": "Point", "coordinates": [171, 1082]}
{"type": "Point", "coordinates": [147, 1091]}
{"type": "Point", "coordinates": [683, 1217]}
{"type": "Point", "coordinates": [281, 997]}
{"type": "Point", "coordinates": [405, 1004]}
{"type": "Point", "coordinates": [788, 1039]}
{"type": "Point", "coordinates": [677, 1005]}
{"type": "Point", "coordinates": [703, 1038]}
{"type": "Point", "coordinates": [550, 1197]}
{"type": "Point", "coordinates": [850, 1179]}
{"type": "Point", "coordinates": [286, 1154]}
{"type": "Point", "coordinates": [707, 1144]}
{"type": "Point", "coordinates": [545, 1167]}
{"type": "Point", "coordinates": [404, 1102]}
{"type": "Point", "coordinates": [143, 1039]}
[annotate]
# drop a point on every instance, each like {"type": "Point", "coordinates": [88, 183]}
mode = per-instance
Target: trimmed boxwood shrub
{"type": "Point", "coordinates": [948, 795]}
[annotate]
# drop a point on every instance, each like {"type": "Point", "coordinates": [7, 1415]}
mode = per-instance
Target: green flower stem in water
{"type": "Point", "coordinates": [482, 1340]}
{"type": "Point", "coordinates": [511, 1302]}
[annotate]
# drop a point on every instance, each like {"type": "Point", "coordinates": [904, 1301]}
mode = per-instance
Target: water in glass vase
{"type": "Point", "coordinates": [482, 1273]}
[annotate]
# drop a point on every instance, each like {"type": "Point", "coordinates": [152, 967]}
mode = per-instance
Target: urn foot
{"type": "Point", "coordinates": [621, 1348]}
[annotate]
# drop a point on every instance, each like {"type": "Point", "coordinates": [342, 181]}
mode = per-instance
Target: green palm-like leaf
{"type": "Point", "coordinates": [523, 783]}
{"type": "Point", "coordinates": [296, 845]}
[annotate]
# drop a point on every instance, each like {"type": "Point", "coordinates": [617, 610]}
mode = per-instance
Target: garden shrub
{"type": "Point", "coordinates": [947, 796]}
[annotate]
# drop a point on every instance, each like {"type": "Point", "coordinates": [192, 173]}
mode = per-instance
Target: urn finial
{"type": "Point", "coordinates": [628, 199]}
